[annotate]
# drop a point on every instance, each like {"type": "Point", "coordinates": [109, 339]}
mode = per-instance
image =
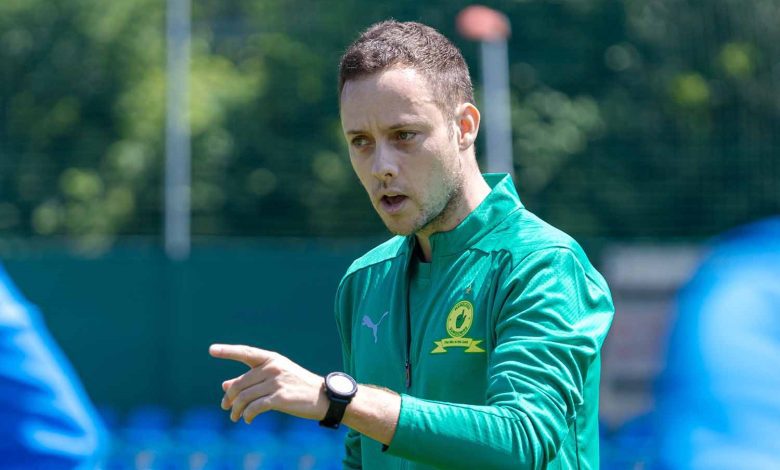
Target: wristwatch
{"type": "Point", "coordinates": [339, 388]}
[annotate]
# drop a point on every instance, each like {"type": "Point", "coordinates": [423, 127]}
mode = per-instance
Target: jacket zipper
{"type": "Point", "coordinates": [408, 363]}
{"type": "Point", "coordinates": [408, 358]}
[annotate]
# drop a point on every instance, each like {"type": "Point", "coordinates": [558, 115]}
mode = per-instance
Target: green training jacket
{"type": "Point", "coordinates": [494, 345]}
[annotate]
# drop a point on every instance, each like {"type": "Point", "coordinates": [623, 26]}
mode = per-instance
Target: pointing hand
{"type": "Point", "coordinates": [273, 382]}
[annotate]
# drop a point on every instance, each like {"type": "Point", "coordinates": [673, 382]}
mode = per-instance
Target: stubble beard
{"type": "Point", "coordinates": [433, 217]}
{"type": "Point", "coordinates": [435, 220]}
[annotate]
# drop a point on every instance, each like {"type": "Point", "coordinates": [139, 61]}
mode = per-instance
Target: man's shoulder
{"type": "Point", "coordinates": [523, 233]}
{"type": "Point", "coordinates": [387, 251]}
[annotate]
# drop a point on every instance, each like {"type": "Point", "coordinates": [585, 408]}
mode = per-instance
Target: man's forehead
{"type": "Point", "coordinates": [386, 123]}
{"type": "Point", "coordinates": [405, 83]}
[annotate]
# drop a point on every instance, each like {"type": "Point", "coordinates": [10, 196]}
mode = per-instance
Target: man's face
{"type": "Point", "coordinates": [403, 149]}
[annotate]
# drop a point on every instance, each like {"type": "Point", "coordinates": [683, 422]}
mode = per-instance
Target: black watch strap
{"type": "Point", "coordinates": [336, 410]}
{"type": "Point", "coordinates": [339, 388]}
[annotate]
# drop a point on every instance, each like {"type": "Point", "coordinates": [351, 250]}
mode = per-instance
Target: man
{"type": "Point", "coordinates": [717, 400]}
{"type": "Point", "coordinates": [475, 333]}
{"type": "Point", "coordinates": [46, 418]}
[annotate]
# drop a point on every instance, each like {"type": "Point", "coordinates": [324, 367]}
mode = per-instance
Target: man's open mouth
{"type": "Point", "coordinates": [392, 204]}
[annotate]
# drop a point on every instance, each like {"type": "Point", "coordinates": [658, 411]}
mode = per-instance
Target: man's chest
{"type": "Point", "coordinates": [441, 325]}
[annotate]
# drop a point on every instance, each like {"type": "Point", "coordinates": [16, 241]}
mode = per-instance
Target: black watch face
{"type": "Point", "coordinates": [341, 384]}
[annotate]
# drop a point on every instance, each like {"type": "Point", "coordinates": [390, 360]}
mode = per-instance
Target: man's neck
{"type": "Point", "coordinates": [475, 191]}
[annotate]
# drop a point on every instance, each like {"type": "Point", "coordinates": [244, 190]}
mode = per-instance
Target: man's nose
{"type": "Point", "coordinates": [385, 165]}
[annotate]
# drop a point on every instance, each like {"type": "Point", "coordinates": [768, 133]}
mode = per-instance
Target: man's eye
{"type": "Point", "coordinates": [406, 135]}
{"type": "Point", "coordinates": [359, 142]}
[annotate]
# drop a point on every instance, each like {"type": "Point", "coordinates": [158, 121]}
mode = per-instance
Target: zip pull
{"type": "Point", "coordinates": [408, 368]}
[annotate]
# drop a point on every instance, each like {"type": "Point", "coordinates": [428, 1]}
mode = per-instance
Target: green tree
{"type": "Point", "coordinates": [83, 113]}
{"type": "Point", "coordinates": [630, 118]}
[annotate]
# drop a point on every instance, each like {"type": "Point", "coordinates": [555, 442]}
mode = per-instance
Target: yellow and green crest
{"type": "Point", "coordinates": [459, 322]}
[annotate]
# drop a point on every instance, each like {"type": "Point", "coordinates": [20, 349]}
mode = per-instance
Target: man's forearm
{"type": "Point", "coordinates": [455, 436]}
{"type": "Point", "coordinates": [374, 412]}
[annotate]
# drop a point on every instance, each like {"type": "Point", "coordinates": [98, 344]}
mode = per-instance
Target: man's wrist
{"type": "Point", "coordinates": [340, 389]}
{"type": "Point", "coordinates": [374, 413]}
{"type": "Point", "coordinates": [322, 403]}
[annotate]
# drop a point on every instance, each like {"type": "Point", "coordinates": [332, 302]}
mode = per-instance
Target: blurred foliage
{"type": "Point", "coordinates": [631, 118]}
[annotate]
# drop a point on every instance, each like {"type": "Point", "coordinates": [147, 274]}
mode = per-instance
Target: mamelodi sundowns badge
{"type": "Point", "coordinates": [459, 322]}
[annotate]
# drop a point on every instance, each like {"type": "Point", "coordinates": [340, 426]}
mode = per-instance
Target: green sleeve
{"type": "Point", "coordinates": [553, 317]}
{"type": "Point", "coordinates": [352, 457]}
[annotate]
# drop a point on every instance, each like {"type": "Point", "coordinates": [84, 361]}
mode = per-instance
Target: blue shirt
{"type": "Point", "coordinates": [46, 419]}
{"type": "Point", "coordinates": [719, 397]}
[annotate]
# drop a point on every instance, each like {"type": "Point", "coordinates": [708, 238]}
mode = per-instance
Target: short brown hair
{"type": "Point", "coordinates": [391, 44]}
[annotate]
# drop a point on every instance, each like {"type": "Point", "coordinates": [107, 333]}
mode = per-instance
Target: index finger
{"type": "Point", "coordinates": [250, 356]}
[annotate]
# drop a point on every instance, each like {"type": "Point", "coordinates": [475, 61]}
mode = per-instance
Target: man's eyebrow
{"type": "Point", "coordinates": [400, 125]}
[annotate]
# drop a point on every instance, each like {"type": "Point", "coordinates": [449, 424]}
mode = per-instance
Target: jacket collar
{"type": "Point", "coordinates": [497, 205]}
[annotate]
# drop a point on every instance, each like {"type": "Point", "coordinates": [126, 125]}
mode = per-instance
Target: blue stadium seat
{"type": "Point", "coordinates": [256, 446]}
{"type": "Point", "coordinates": [199, 442]}
{"type": "Point", "coordinates": [145, 441]}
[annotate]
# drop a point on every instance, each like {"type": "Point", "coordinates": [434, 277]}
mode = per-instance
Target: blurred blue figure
{"type": "Point", "coordinates": [46, 420]}
{"type": "Point", "coordinates": [718, 401]}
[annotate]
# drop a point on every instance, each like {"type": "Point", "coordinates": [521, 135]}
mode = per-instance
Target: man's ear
{"type": "Point", "coordinates": [467, 120]}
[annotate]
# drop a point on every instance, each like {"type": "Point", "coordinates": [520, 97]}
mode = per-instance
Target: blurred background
{"type": "Point", "coordinates": [641, 128]}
